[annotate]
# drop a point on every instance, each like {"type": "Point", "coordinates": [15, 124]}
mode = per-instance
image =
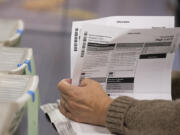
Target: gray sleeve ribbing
{"type": "Point", "coordinates": [116, 114]}
{"type": "Point", "coordinates": [127, 116]}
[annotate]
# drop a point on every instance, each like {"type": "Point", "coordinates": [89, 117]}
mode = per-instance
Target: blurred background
{"type": "Point", "coordinates": [48, 31]}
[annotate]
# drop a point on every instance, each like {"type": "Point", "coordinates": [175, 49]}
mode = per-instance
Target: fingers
{"type": "Point", "coordinates": [69, 81]}
{"type": "Point", "coordinates": [64, 112]}
{"type": "Point", "coordinates": [65, 97]}
{"type": "Point", "coordinates": [64, 109]}
{"type": "Point", "coordinates": [65, 87]}
{"type": "Point", "coordinates": [73, 105]}
{"type": "Point", "coordinates": [86, 82]}
{"type": "Point", "coordinates": [68, 114]}
{"type": "Point", "coordinates": [64, 104]}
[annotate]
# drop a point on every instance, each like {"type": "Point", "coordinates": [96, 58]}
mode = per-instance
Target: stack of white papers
{"type": "Point", "coordinates": [60, 122]}
{"type": "Point", "coordinates": [8, 28]}
{"type": "Point", "coordinates": [15, 92]}
{"type": "Point", "coordinates": [13, 87]}
{"type": "Point", "coordinates": [10, 58]}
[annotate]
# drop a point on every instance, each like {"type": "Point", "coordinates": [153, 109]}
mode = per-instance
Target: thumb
{"type": "Point", "coordinates": [65, 86]}
{"type": "Point", "coordinates": [86, 82]}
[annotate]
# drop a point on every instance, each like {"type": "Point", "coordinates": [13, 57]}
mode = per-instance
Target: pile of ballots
{"type": "Point", "coordinates": [127, 55]}
{"type": "Point", "coordinates": [18, 82]}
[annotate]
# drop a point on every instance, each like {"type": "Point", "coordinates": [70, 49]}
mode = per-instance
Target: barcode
{"type": "Point", "coordinates": [75, 47]}
{"type": "Point", "coordinates": [83, 49]}
{"type": "Point", "coordinates": [82, 53]}
{"type": "Point", "coordinates": [84, 44]}
{"type": "Point", "coordinates": [76, 40]}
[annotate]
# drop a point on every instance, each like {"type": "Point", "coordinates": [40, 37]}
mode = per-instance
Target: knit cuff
{"type": "Point", "coordinates": [116, 114]}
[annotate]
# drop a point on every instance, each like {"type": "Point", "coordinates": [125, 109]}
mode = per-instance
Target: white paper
{"type": "Point", "coordinates": [137, 61]}
{"type": "Point", "coordinates": [119, 21]}
{"type": "Point", "coordinates": [113, 30]}
{"type": "Point", "coordinates": [66, 127]}
{"type": "Point", "coordinates": [61, 123]}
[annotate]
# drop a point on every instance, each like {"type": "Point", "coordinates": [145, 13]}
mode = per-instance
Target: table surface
{"type": "Point", "coordinates": [51, 42]}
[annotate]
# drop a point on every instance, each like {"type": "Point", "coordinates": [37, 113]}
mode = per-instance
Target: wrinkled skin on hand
{"type": "Point", "coordinates": [87, 103]}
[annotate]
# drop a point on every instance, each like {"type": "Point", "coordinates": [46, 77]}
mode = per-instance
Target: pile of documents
{"type": "Point", "coordinates": [60, 122]}
{"type": "Point", "coordinates": [11, 32]}
{"type": "Point", "coordinates": [15, 91]}
{"type": "Point", "coordinates": [18, 82]}
{"type": "Point", "coordinates": [15, 60]}
{"type": "Point", "coordinates": [127, 55]}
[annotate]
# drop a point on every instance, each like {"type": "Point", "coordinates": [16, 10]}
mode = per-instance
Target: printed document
{"type": "Point", "coordinates": [131, 62]}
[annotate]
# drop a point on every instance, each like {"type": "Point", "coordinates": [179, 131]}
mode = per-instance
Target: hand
{"type": "Point", "coordinates": [87, 103]}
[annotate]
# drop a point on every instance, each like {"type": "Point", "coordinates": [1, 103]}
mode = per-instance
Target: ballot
{"type": "Point", "coordinates": [128, 55]}
{"type": "Point", "coordinates": [128, 62]}
{"type": "Point", "coordinates": [133, 22]}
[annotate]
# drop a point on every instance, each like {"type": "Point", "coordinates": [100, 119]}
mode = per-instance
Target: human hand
{"type": "Point", "coordinates": [87, 103]}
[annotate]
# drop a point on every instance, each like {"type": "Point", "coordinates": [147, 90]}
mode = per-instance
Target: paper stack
{"type": "Point", "coordinates": [11, 32]}
{"type": "Point", "coordinates": [20, 91]}
{"type": "Point", "coordinates": [15, 92]}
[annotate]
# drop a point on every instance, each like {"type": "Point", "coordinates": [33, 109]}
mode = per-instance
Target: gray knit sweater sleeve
{"type": "Point", "coordinates": [128, 116]}
{"type": "Point", "coordinates": [117, 111]}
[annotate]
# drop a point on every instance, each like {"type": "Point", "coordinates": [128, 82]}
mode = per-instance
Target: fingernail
{"type": "Point", "coordinates": [69, 81]}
